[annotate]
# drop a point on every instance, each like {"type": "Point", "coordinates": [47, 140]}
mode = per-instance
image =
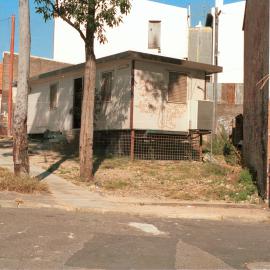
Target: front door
{"type": "Point", "coordinates": [77, 106]}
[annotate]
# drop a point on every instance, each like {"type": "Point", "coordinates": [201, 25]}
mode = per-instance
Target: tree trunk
{"type": "Point", "coordinates": [20, 142]}
{"type": "Point", "coordinates": [87, 118]}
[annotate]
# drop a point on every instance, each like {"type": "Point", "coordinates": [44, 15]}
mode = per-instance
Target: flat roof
{"type": "Point", "coordinates": [133, 55]}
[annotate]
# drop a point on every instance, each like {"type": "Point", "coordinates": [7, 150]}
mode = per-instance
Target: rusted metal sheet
{"type": "Point", "coordinates": [228, 93]}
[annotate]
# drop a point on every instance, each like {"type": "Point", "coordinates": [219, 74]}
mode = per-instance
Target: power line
{"type": "Point", "coordinates": [5, 19]}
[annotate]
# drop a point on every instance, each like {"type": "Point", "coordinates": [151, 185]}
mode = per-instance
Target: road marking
{"type": "Point", "coordinates": [258, 266]}
{"type": "Point", "coordinates": [192, 257]}
{"type": "Point", "coordinates": [71, 236]}
{"type": "Point", "coordinates": [147, 228]}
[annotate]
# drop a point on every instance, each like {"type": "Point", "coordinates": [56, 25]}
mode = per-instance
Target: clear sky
{"type": "Point", "coordinates": [42, 33]}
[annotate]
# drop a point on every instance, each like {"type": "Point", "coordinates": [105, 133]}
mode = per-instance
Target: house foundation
{"type": "Point", "coordinates": [148, 144]}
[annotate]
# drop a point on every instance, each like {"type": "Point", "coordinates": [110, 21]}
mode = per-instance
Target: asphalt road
{"type": "Point", "coordinates": [53, 239]}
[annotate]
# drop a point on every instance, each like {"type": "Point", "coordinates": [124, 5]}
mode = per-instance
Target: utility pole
{"type": "Point", "coordinates": [215, 88]}
{"type": "Point", "coordinates": [20, 141]}
{"type": "Point", "coordinates": [215, 85]}
{"type": "Point", "coordinates": [11, 64]}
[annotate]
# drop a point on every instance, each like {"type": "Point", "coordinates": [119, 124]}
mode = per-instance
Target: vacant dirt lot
{"type": "Point", "coordinates": [181, 180]}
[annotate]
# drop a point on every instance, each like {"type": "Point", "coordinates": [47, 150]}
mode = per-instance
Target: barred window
{"type": "Point", "coordinates": [106, 86]}
{"type": "Point", "coordinates": [53, 96]}
{"type": "Point", "coordinates": [177, 88]}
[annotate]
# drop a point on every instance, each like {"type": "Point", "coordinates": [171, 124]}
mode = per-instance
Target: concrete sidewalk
{"type": "Point", "coordinates": [65, 195]}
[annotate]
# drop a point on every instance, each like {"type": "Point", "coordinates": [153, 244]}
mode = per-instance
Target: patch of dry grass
{"type": "Point", "coordinates": [24, 184]}
{"type": "Point", "coordinates": [181, 180]}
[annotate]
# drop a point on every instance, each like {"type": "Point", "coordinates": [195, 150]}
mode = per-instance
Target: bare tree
{"type": "Point", "coordinates": [20, 142]}
{"type": "Point", "coordinates": [88, 17]}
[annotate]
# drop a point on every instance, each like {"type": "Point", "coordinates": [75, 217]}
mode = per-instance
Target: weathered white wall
{"type": "Point", "coordinates": [132, 34]}
{"type": "Point", "coordinates": [40, 117]}
{"type": "Point", "coordinates": [109, 115]}
{"type": "Point", "coordinates": [151, 108]}
{"type": "Point", "coordinates": [231, 42]}
{"type": "Point", "coordinates": [114, 114]}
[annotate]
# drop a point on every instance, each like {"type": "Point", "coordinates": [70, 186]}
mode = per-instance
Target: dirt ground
{"type": "Point", "coordinates": [180, 180]}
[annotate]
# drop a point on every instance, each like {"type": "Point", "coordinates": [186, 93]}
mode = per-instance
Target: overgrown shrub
{"type": "Point", "coordinates": [246, 186]}
{"type": "Point", "coordinates": [23, 184]}
{"type": "Point", "coordinates": [222, 145]}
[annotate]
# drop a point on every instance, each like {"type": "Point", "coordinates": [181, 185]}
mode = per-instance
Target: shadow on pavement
{"type": "Point", "coordinates": [51, 169]}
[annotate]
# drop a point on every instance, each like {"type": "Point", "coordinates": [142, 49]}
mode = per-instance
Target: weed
{"type": "Point", "coordinates": [23, 184]}
{"type": "Point", "coordinates": [246, 187]}
{"type": "Point", "coordinates": [222, 145]}
{"type": "Point", "coordinates": [215, 169]}
{"type": "Point", "coordinates": [245, 177]}
{"type": "Point", "coordinates": [114, 185]}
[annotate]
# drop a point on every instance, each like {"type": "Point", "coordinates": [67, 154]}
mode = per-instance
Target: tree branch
{"type": "Point", "coordinates": [74, 26]}
{"type": "Point", "coordinates": [57, 11]}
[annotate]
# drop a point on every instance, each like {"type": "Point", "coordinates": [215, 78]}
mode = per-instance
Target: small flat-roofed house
{"type": "Point", "coordinates": [143, 103]}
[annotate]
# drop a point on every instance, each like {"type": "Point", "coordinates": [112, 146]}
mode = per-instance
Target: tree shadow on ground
{"type": "Point", "coordinates": [51, 169]}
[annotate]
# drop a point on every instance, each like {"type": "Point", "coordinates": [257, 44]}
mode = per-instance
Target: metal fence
{"type": "Point", "coordinates": [148, 145]}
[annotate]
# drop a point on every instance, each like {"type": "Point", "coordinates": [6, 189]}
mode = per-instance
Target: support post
{"type": "Point", "coordinates": [201, 143]}
{"type": "Point", "coordinates": [132, 131]}
{"type": "Point", "coordinates": [11, 64]}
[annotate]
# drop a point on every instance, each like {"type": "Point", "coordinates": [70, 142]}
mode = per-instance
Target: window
{"type": "Point", "coordinates": [177, 88]}
{"type": "Point", "coordinates": [106, 86]}
{"type": "Point", "coordinates": [53, 96]}
{"type": "Point", "coordinates": [154, 29]}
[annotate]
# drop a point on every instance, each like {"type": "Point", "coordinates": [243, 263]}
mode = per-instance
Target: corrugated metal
{"type": "Point", "coordinates": [200, 45]}
{"type": "Point", "coordinates": [239, 93]}
{"type": "Point", "coordinates": [219, 93]}
{"type": "Point", "coordinates": [227, 93]}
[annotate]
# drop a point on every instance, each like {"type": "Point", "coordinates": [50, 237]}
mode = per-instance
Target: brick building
{"type": "Point", "coordinates": [1, 72]}
{"type": "Point", "coordinates": [256, 127]}
{"type": "Point", "coordinates": [38, 65]}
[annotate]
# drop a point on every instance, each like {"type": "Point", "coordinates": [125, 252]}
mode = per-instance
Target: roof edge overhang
{"type": "Point", "coordinates": [139, 56]}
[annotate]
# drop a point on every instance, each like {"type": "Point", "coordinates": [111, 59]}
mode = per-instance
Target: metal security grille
{"type": "Point", "coordinates": [166, 147]}
{"type": "Point", "coordinates": [148, 146]}
{"type": "Point", "coordinates": [112, 143]}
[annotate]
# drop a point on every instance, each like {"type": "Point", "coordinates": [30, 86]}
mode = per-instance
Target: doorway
{"type": "Point", "coordinates": [77, 104]}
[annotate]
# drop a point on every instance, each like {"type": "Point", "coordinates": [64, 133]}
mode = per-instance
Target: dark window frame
{"type": "Point", "coordinates": [54, 87]}
{"type": "Point", "coordinates": [175, 93]}
{"type": "Point", "coordinates": [106, 89]}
